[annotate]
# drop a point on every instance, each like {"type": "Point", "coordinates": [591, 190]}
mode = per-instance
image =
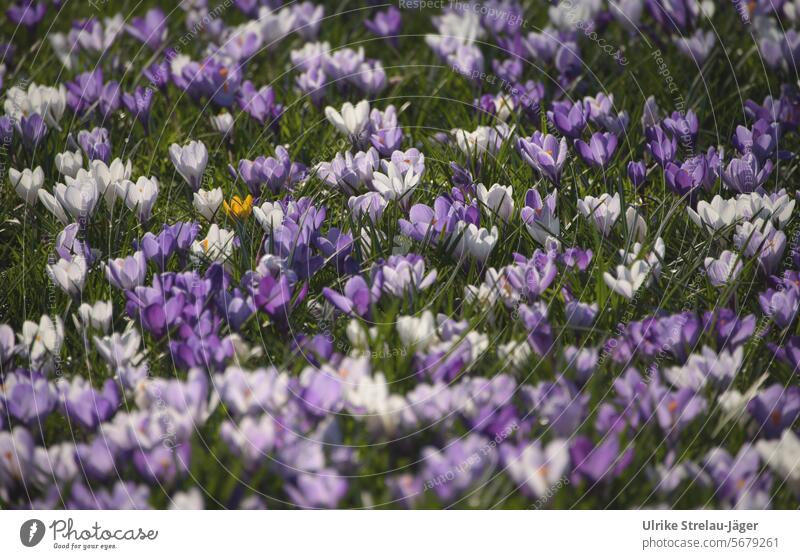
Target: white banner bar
{"type": "Point", "coordinates": [400, 534]}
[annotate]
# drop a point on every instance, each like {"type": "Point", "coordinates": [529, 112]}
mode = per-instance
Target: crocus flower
{"type": "Point", "coordinates": [781, 305]}
{"type": "Point", "coordinates": [95, 144]}
{"type": "Point", "coordinates": [207, 202]}
{"type": "Point", "coordinates": [386, 24]}
{"type": "Point", "coordinates": [150, 29]}
{"type": "Point", "coordinates": [27, 183]}
{"type": "Point", "coordinates": [351, 120]}
{"type": "Point", "coordinates": [534, 468]}
{"type": "Point", "coordinates": [138, 105]}
{"type": "Point", "coordinates": [27, 13]}
{"type": "Point", "coordinates": [539, 216]}
{"type": "Point", "coordinates": [781, 457]}
{"type": "Point", "coordinates": [190, 161]}
{"type": "Point", "coordinates": [43, 339]}
{"type": "Point", "coordinates": [16, 456]}
{"type": "Point", "coordinates": [33, 130]}
{"type": "Point", "coordinates": [128, 272]}
{"type": "Point", "coordinates": [775, 409]}
{"type": "Point", "coordinates": [604, 211]}
{"type": "Point", "coordinates": [545, 154]}
{"type": "Point", "coordinates": [661, 145]}
{"type": "Point", "coordinates": [395, 185]}
{"type": "Point", "coordinates": [79, 196]}
{"type": "Point", "coordinates": [118, 350]}
{"type": "Point", "coordinates": [270, 215]}
{"type": "Point", "coordinates": [239, 208]}
{"type": "Point", "coordinates": [218, 244]}
{"type": "Point", "coordinates": [745, 174]}
{"type": "Point", "coordinates": [222, 123]}
{"type": "Point", "coordinates": [718, 214]}
{"type": "Point", "coordinates": [683, 126]}
{"type": "Point", "coordinates": [139, 197]}
{"type": "Point", "coordinates": [568, 118]}
{"type": "Point", "coordinates": [628, 279]}
{"type": "Point", "coordinates": [69, 275]}
{"type": "Point", "coordinates": [370, 205]}
{"type": "Point", "coordinates": [724, 269]}
{"type": "Point", "coordinates": [260, 103]}
{"type": "Point", "coordinates": [498, 199]}
{"type": "Point", "coordinates": [637, 173]}
{"type": "Point", "coordinates": [600, 149]}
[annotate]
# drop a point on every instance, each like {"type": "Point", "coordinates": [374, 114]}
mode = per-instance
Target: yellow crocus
{"type": "Point", "coordinates": [238, 208]}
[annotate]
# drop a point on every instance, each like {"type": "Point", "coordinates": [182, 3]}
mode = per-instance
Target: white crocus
{"type": "Point", "coordinates": [69, 275]}
{"type": "Point", "coordinates": [140, 197]}
{"type": "Point", "coordinates": [69, 162]}
{"type": "Point", "coordinates": [44, 338]}
{"type": "Point", "coordinates": [604, 210]}
{"type": "Point", "coordinates": [218, 244]}
{"type": "Point", "coordinates": [499, 199]}
{"type": "Point", "coordinates": [776, 207]}
{"type": "Point", "coordinates": [481, 140]}
{"type": "Point", "coordinates": [79, 196]}
{"type": "Point", "coordinates": [419, 332]}
{"type": "Point", "coordinates": [118, 350]}
{"type": "Point", "coordinates": [395, 185]}
{"type": "Point", "coordinates": [108, 176]}
{"type": "Point", "coordinates": [222, 123]}
{"type": "Point", "coordinates": [540, 469]}
{"type": "Point", "coordinates": [49, 102]}
{"type": "Point", "coordinates": [637, 226]}
{"type": "Point", "coordinates": [27, 183]}
{"type": "Point", "coordinates": [783, 458]}
{"type": "Point", "coordinates": [207, 202]}
{"type": "Point", "coordinates": [351, 120]}
{"type": "Point", "coordinates": [714, 216]}
{"type": "Point", "coordinates": [269, 215]}
{"type": "Point", "coordinates": [190, 161]}
{"type": "Point", "coordinates": [477, 242]}
{"type": "Point", "coordinates": [629, 279]}
{"type": "Point", "coordinates": [97, 316]}
{"type": "Point", "coordinates": [49, 201]}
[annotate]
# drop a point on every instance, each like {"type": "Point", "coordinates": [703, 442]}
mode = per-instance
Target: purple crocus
{"type": "Point", "coordinates": [601, 462]}
{"type": "Point", "coordinates": [637, 173]}
{"type": "Point", "coordinates": [545, 153]}
{"type": "Point", "coordinates": [6, 130]}
{"type": "Point", "coordinates": [744, 174]}
{"type": "Point", "coordinates": [128, 272]}
{"type": "Point", "coordinates": [685, 178]}
{"type": "Point", "coordinates": [318, 490]}
{"type": "Point", "coordinates": [357, 298]}
{"type": "Point", "coordinates": [568, 118]}
{"type": "Point", "coordinates": [27, 13]}
{"type": "Point", "coordinates": [780, 305]}
{"type": "Point", "coordinates": [33, 130]}
{"type": "Point", "coordinates": [85, 90]}
{"type": "Point", "coordinates": [109, 99]}
{"type": "Point", "coordinates": [138, 105]}
{"type": "Point", "coordinates": [260, 103]}
{"type": "Point", "coordinates": [95, 144]}
{"type": "Point", "coordinates": [683, 126]}
{"type": "Point", "coordinates": [739, 480]}
{"type": "Point", "coordinates": [662, 146]}
{"type": "Point", "coordinates": [150, 29]}
{"type": "Point", "coordinates": [600, 149]}
{"type": "Point", "coordinates": [775, 409]}
{"type": "Point", "coordinates": [386, 24]}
